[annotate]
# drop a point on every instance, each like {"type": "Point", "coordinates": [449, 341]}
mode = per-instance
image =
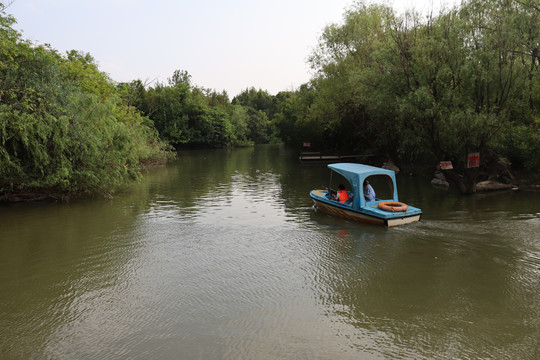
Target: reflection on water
{"type": "Point", "coordinates": [221, 256]}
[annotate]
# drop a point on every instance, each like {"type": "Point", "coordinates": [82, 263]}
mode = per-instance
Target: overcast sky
{"type": "Point", "coordinates": [224, 45]}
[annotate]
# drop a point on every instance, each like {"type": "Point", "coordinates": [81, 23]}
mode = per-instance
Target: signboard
{"type": "Point", "coordinates": [446, 165]}
{"type": "Point", "coordinates": [307, 144]}
{"type": "Point", "coordinates": [473, 160]}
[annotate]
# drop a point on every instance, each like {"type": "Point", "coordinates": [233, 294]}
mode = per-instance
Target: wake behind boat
{"type": "Point", "coordinates": [389, 212]}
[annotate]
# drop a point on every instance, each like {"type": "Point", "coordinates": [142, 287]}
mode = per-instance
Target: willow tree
{"type": "Point", "coordinates": [430, 89]}
{"type": "Point", "coordinates": [522, 143]}
{"type": "Point", "coordinates": [491, 98]}
{"type": "Point", "coordinates": [63, 129]}
{"type": "Point", "coordinates": [352, 65]}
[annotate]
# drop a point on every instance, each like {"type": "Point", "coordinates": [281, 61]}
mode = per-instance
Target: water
{"type": "Point", "coordinates": [221, 256]}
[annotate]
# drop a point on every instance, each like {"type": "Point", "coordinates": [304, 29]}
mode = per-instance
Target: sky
{"type": "Point", "coordinates": [224, 45]}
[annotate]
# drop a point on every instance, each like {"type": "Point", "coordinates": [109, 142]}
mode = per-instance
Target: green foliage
{"type": "Point", "coordinates": [188, 116]}
{"type": "Point", "coordinates": [183, 117]}
{"type": "Point", "coordinates": [261, 108]}
{"type": "Point", "coordinates": [259, 100]}
{"type": "Point", "coordinates": [80, 69]}
{"type": "Point", "coordinates": [521, 146]}
{"type": "Point", "coordinates": [239, 122]}
{"type": "Point", "coordinates": [62, 126]}
{"type": "Point", "coordinates": [293, 122]}
{"type": "Point", "coordinates": [430, 89]}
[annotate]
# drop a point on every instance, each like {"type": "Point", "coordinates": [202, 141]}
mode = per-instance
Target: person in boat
{"type": "Point", "coordinates": [369, 193]}
{"type": "Point", "coordinates": [342, 194]}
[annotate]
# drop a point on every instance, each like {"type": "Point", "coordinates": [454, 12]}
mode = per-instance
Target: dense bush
{"type": "Point", "coordinates": [63, 128]}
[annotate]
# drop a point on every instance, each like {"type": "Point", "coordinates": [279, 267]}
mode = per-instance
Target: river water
{"type": "Point", "coordinates": [220, 255]}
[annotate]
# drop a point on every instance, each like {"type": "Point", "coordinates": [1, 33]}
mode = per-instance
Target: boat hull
{"type": "Point", "coordinates": [354, 215]}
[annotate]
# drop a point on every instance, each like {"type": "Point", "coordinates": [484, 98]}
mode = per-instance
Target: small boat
{"type": "Point", "coordinates": [389, 212]}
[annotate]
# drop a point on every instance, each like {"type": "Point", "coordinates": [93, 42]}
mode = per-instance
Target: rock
{"type": "Point", "coordinates": [490, 185]}
{"type": "Point", "coordinates": [390, 166]}
{"type": "Point", "coordinates": [440, 183]}
{"type": "Point", "coordinates": [439, 175]}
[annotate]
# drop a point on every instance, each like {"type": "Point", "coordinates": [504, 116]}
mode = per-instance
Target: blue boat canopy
{"type": "Point", "coordinates": [357, 173]}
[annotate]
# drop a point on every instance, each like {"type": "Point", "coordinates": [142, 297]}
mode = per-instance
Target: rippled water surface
{"type": "Point", "coordinates": [220, 255]}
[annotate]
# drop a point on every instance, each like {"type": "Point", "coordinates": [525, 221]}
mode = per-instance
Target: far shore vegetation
{"type": "Point", "coordinates": [412, 88]}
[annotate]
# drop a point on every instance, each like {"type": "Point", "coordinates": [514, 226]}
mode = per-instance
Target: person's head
{"type": "Point", "coordinates": [366, 182]}
{"type": "Point", "coordinates": [341, 187]}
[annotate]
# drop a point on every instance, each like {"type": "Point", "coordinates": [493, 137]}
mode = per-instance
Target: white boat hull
{"type": "Point", "coordinates": [358, 216]}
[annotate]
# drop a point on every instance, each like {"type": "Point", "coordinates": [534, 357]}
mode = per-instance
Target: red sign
{"type": "Point", "coordinates": [473, 160]}
{"type": "Point", "coordinates": [306, 144]}
{"type": "Point", "coordinates": [446, 165]}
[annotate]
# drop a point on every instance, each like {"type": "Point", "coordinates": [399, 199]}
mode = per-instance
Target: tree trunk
{"type": "Point", "coordinates": [466, 182]}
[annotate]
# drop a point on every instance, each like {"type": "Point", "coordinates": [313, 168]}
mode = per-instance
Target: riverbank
{"type": "Point", "coordinates": [522, 181]}
{"type": "Point", "coordinates": [55, 195]}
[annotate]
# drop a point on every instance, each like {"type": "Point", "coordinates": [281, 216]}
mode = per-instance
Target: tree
{"type": "Point", "coordinates": [63, 129]}
{"type": "Point", "coordinates": [428, 90]}
{"type": "Point", "coordinates": [179, 78]}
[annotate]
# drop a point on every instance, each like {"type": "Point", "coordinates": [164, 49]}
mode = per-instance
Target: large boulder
{"type": "Point", "coordinates": [443, 184]}
{"type": "Point", "coordinates": [439, 181]}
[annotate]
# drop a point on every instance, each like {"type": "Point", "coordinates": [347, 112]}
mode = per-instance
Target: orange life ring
{"type": "Point", "coordinates": [393, 206]}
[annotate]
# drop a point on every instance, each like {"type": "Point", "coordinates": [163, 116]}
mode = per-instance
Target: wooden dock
{"type": "Point", "coordinates": [319, 157]}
